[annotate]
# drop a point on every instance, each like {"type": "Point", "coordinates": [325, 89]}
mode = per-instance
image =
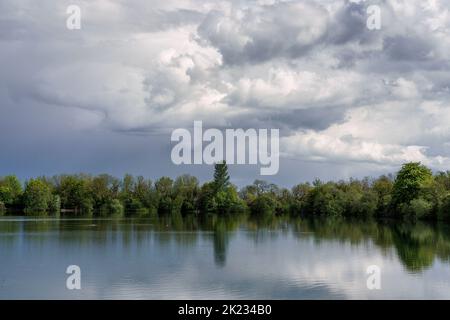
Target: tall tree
{"type": "Point", "coordinates": [221, 176]}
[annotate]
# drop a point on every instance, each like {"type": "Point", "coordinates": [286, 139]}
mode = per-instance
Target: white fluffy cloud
{"type": "Point", "coordinates": [379, 97]}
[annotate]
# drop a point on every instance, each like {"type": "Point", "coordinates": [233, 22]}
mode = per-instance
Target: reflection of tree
{"type": "Point", "coordinates": [417, 244]}
{"type": "Point", "coordinates": [220, 243]}
{"type": "Point", "coordinates": [222, 227]}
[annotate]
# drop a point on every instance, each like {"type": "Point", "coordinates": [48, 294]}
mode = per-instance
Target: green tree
{"type": "Point", "coordinates": [75, 192]}
{"type": "Point", "coordinates": [186, 190]}
{"type": "Point", "coordinates": [112, 206]}
{"type": "Point", "coordinates": [54, 205]}
{"type": "Point", "coordinates": [103, 189]}
{"type": "Point", "coordinates": [163, 188]}
{"type": "Point", "coordinates": [410, 181]}
{"type": "Point", "coordinates": [382, 187]}
{"type": "Point", "coordinates": [263, 205]}
{"type": "Point", "coordinates": [143, 192]}
{"type": "Point", "coordinates": [227, 201]}
{"type": "Point", "coordinates": [221, 176]}
{"type": "Point", "coordinates": [325, 199]}
{"type": "Point", "coordinates": [418, 208]}
{"type": "Point", "coordinates": [37, 196]}
{"type": "Point", "coordinates": [206, 200]}
{"type": "Point", "coordinates": [10, 190]}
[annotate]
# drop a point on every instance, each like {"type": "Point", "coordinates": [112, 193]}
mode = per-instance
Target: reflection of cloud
{"type": "Point", "coordinates": [142, 263]}
{"type": "Point", "coordinates": [287, 268]}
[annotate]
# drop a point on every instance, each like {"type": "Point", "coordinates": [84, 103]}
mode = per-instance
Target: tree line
{"type": "Point", "coordinates": [413, 193]}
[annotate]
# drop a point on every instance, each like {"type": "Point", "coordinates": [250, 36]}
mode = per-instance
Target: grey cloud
{"type": "Point", "coordinates": [261, 33]}
{"type": "Point", "coordinates": [349, 24]}
{"type": "Point", "coordinates": [137, 69]}
{"type": "Point", "coordinates": [408, 48]}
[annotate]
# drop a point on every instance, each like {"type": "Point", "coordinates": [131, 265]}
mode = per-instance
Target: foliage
{"type": "Point", "coordinates": [113, 206]}
{"type": "Point", "coordinates": [444, 210]}
{"type": "Point", "coordinates": [410, 181]}
{"type": "Point", "coordinates": [263, 205]}
{"type": "Point", "coordinates": [54, 205]}
{"type": "Point", "coordinates": [414, 194]}
{"type": "Point", "coordinates": [37, 196]}
{"type": "Point", "coordinates": [10, 190]}
{"type": "Point", "coordinates": [221, 176]}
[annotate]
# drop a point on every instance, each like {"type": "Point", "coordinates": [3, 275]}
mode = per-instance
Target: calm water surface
{"type": "Point", "coordinates": [176, 257]}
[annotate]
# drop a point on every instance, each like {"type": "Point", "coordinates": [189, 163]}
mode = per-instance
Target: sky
{"type": "Point", "coordinates": [348, 101]}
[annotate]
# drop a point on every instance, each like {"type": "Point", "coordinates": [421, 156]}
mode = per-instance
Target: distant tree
{"type": "Point", "coordinates": [262, 186]}
{"type": "Point", "coordinates": [221, 176]}
{"type": "Point", "coordinates": [103, 190]}
{"type": "Point", "coordinates": [127, 186]}
{"type": "Point", "coordinates": [186, 192]}
{"type": "Point", "coordinates": [415, 194]}
{"type": "Point", "coordinates": [206, 201]}
{"type": "Point", "coordinates": [325, 199]}
{"type": "Point", "coordinates": [138, 195]}
{"type": "Point", "coordinates": [10, 190]}
{"type": "Point", "coordinates": [382, 187]}
{"type": "Point", "coordinates": [113, 206]}
{"type": "Point", "coordinates": [227, 201]}
{"type": "Point", "coordinates": [37, 196]}
{"type": "Point", "coordinates": [248, 193]}
{"type": "Point", "coordinates": [163, 188]}
{"type": "Point", "coordinates": [54, 205]}
{"type": "Point", "coordinates": [410, 181]}
{"type": "Point", "coordinates": [300, 191]}
{"type": "Point", "coordinates": [143, 192]}
{"type": "Point", "coordinates": [300, 194]}
{"type": "Point", "coordinates": [76, 193]}
{"type": "Point", "coordinates": [264, 205]}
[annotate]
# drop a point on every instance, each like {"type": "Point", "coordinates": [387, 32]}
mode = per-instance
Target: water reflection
{"type": "Point", "coordinates": [232, 256]}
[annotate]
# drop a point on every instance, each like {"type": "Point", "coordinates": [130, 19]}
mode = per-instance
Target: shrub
{"type": "Point", "coordinates": [444, 210]}
{"type": "Point", "coordinates": [417, 209]}
{"type": "Point", "coordinates": [325, 199]}
{"type": "Point", "coordinates": [263, 205]}
{"type": "Point", "coordinates": [55, 204]}
{"type": "Point", "coordinates": [115, 207]}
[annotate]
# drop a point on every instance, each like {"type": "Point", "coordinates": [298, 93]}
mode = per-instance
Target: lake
{"type": "Point", "coordinates": [239, 257]}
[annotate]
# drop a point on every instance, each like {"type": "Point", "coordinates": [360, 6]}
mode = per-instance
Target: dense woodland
{"type": "Point", "coordinates": [413, 193]}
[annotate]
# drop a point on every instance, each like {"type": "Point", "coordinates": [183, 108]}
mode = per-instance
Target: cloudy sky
{"type": "Point", "coordinates": [348, 101]}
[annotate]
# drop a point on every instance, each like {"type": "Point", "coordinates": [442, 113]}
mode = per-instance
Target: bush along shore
{"type": "Point", "coordinates": [413, 193]}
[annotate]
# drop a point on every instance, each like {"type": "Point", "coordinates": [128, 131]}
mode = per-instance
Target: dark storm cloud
{"type": "Point", "coordinates": [109, 94]}
{"type": "Point", "coordinates": [408, 48]}
{"type": "Point", "coordinates": [349, 24]}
